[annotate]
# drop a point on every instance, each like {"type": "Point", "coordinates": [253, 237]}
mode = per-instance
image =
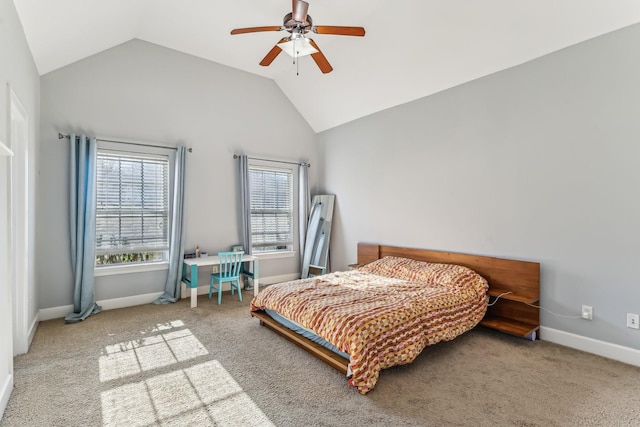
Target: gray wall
{"type": "Point", "coordinates": [539, 162]}
{"type": "Point", "coordinates": [143, 92]}
{"type": "Point", "coordinates": [18, 71]}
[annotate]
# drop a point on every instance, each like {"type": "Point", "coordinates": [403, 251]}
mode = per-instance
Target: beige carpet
{"type": "Point", "coordinates": [214, 365]}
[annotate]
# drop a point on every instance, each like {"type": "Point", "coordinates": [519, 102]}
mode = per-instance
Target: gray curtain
{"type": "Point", "coordinates": [304, 204]}
{"type": "Point", "coordinates": [245, 209]}
{"type": "Point", "coordinates": [82, 222]}
{"type": "Point", "coordinates": [176, 243]}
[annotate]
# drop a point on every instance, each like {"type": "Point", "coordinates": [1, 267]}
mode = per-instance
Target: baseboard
{"type": "Point", "coordinates": [278, 279]}
{"type": "Point", "coordinates": [108, 304]}
{"type": "Point", "coordinates": [601, 348]}
{"type": "Point", "coordinates": [5, 394]}
{"type": "Point", "coordinates": [264, 281]}
{"type": "Point", "coordinates": [54, 312]}
{"type": "Point", "coordinates": [32, 330]}
{"type": "Point", "coordinates": [111, 304]}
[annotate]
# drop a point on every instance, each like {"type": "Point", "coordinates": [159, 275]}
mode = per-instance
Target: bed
{"type": "Point", "coordinates": [382, 313]}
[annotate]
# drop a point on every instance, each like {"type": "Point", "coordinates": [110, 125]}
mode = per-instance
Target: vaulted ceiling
{"type": "Point", "coordinates": [412, 48]}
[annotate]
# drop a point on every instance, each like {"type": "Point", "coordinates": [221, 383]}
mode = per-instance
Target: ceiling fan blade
{"type": "Point", "coordinates": [320, 59]}
{"type": "Point", "coordinates": [273, 53]}
{"type": "Point", "coordinates": [340, 31]}
{"type": "Point", "coordinates": [254, 30]}
{"type": "Point", "coordinates": [300, 9]}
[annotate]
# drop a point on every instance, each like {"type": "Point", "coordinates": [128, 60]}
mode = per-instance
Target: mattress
{"type": "Point", "coordinates": [307, 333]}
{"type": "Point", "coordinates": [384, 313]}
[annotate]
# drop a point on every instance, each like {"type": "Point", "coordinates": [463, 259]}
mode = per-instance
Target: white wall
{"type": "Point", "coordinates": [143, 92]}
{"type": "Point", "coordinates": [18, 72]}
{"type": "Point", "coordinates": [538, 162]}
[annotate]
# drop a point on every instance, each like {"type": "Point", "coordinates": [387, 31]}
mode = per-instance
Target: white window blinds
{"type": "Point", "coordinates": [271, 209]}
{"type": "Point", "coordinates": [132, 210]}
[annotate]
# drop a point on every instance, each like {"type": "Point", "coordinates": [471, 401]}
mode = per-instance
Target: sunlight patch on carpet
{"type": "Point", "coordinates": [201, 394]}
{"type": "Point", "coordinates": [204, 394]}
{"type": "Point", "coordinates": [150, 352]}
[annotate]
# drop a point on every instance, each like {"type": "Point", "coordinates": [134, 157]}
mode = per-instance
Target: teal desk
{"type": "Point", "coordinates": [190, 273]}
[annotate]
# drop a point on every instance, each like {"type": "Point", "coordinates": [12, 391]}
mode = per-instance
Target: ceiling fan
{"type": "Point", "coordinates": [298, 23]}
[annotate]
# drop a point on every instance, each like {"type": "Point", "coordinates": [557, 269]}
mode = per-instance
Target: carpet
{"type": "Point", "coordinates": [171, 365]}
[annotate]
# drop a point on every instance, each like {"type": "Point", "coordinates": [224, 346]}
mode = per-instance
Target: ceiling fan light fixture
{"type": "Point", "coordinates": [298, 47]}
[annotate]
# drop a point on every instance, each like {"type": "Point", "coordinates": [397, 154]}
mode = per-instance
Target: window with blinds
{"type": "Point", "coordinates": [271, 209]}
{"type": "Point", "coordinates": [132, 208]}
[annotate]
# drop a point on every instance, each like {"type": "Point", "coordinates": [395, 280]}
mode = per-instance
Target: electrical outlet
{"type": "Point", "coordinates": [633, 321]}
{"type": "Point", "coordinates": [587, 312]}
{"type": "Point", "coordinates": [214, 269]}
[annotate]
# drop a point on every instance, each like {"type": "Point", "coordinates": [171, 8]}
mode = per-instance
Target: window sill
{"type": "Point", "coordinates": [134, 268]}
{"type": "Point", "coordinates": [275, 255]}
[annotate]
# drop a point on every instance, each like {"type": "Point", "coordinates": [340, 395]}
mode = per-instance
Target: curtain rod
{"type": "Point", "coordinates": [235, 156]}
{"type": "Point", "coordinates": [62, 136]}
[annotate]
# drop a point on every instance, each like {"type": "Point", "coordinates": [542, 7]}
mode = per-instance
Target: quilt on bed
{"type": "Point", "coordinates": [384, 313]}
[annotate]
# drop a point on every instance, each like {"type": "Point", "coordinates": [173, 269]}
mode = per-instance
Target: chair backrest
{"type": "Point", "coordinates": [230, 263]}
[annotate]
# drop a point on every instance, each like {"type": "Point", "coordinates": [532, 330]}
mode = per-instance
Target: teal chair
{"type": "Point", "coordinates": [229, 270]}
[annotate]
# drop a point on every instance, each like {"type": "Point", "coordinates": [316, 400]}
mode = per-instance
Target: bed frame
{"type": "Point", "coordinates": [515, 283]}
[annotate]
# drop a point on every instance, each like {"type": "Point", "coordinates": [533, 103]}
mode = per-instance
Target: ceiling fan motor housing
{"type": "Point", "coordinates": [293, 26]}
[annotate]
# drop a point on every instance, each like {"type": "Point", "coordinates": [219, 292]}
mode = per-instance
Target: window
{"type": "Point", "coordinates": [132, 208]}
{"type": "Point", "coordinates": [271, 209]}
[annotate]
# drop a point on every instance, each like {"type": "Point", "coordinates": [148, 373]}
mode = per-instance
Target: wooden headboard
{"type": "Point", "coordinates": [517, 283]}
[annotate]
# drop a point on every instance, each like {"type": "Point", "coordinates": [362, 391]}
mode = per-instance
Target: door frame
{"type": "Point", "coordinates": [19, 276]}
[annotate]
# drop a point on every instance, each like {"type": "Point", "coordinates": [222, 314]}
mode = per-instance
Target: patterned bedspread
{"type": "Point", "coordinates": [384, 313]}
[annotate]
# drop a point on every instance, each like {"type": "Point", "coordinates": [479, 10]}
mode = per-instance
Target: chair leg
{"type": "Point", "coordinates": [219, 293]}
{"type": "Point", "coordinates": [239, 291]}
{"type": "Point", "coordinates": [210, 288]}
